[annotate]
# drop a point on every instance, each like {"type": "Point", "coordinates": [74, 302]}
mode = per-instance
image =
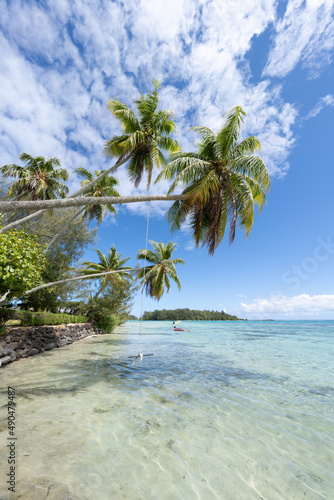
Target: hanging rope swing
{"type": "Point", "coordinates": [140, 355]}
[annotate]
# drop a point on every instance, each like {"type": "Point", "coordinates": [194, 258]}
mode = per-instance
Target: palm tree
{"type": "Point", "coordinates": [105, 187]}
{"type": "Point", "coordinates": [143, 137]}
{"type": "Point", "coordinates": [112, 262]}
{"type": "Point", "coordinates": [155, 277]}
{"type": "Point", "coordinates": [224, 181]}
{"type": "Point", "coordinates": [39, 179]}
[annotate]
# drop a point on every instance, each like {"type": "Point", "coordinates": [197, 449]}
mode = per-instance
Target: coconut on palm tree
{"type": "Point", "coordinates": [155, 276]}
{"type": "Point", "coordinates": [107, 263]}
{"type": "Point", "coordinates": [104, 187]}
{"type": "Point", "coordinates": [144, 137]}
{"type": "Point", "coordinates": [39, 179]}
{"type": "Point", "coordinates": [223, 183]}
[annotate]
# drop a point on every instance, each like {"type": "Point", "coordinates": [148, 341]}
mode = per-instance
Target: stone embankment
{"type": "Point", "coordinates": [22, 342]}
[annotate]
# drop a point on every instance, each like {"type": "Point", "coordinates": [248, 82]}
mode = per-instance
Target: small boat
{"type": "Point", "coordinates": [179, 329]}
{"type": "Point", "coordinates": [176, 322]}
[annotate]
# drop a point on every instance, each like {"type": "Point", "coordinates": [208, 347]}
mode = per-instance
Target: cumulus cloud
{"type": "Point", "coordinates": [299, 306]}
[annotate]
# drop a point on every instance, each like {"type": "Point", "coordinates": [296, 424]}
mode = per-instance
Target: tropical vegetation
{"type": "Point", "coordinates": [40, 318]}
{"type": "Point", "coordinates": [22, 261]}
{"type": "Point", "coordinates": [155, 276]}
{"type": "Point", "coordinates": [144, 137]}
{"type": "Point", "coordinates": [188, 315]}
{"type": "Point", "coordinates": [39, 179]}
{"type": "Point", "coordinates": [223, 182]}
{"type": "Point", "coordinates": [104, 187]}
{"type": "Point", "coordinates": [107, 264]}
{"type": "Point", "coordinates": [61, 259]}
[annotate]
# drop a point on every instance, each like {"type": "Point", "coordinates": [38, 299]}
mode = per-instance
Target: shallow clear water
{"type": "Point", "coordinates": [229, 410]}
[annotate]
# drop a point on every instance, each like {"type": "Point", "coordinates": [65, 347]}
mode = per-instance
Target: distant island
{"type": "Point", "coordinates": [187, 314]}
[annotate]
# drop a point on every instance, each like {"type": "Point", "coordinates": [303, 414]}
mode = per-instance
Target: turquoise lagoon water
{"type": "Point", "coordinates": [229, 410]}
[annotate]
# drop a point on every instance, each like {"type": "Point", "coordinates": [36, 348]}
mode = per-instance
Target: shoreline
{"type": "Point", "coordinates": [23, 342]}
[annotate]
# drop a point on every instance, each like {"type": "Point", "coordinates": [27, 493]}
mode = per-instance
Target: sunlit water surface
{"type": "Point", "coordinates": [229, 410]}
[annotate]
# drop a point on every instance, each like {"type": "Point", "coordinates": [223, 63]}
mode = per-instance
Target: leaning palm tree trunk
{"type": "Point", "coordinates": [10, 206]}
{"type": "Point", "coordinates": [3, 300]}
{"type": "Point", "coordinates": [119, 162]}
{"type": "Point", "coordinates": [17, 198]}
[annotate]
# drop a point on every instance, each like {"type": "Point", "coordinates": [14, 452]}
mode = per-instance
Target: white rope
{"type": "Point", "coordinates": [140, 356]}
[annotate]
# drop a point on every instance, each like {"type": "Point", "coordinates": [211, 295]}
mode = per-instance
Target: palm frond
{"type": "Point", "coordinates": [254, 167]}
{"type": "Point", "coordinates": [116, 145]}
{"type": "Point", "coordinates": [125, 115]}
{"type": "Point", "coordinates": [147, 105]}
{"type": "Point", "coordinates": [103, 261]}
{"type": "Point", "coordinates": [85, 174]}
{"type": "Point", "coordinates": [38, 179]}
{"type": "Point", "coordinates": [168, 144]}
{"type": "Point", "coordinates": [172, 273]}
{"type": "Point", "coordinates": [177, 214]}
{"type": "Point", "coordinates": [245, 147]}
{"type": "Point", "coordinates": [155, 277]}
{"type": "Point", "coordinates": [135, 140]}
{"type": "Point", "coordinates": [208, 148]}
{"type": "Point", "coordinates": [229, 134]}
{"type": "Point", "coordinates": [151, 257]}
{"type": "Point", "coordinates": [162, 123]}
{"type": "Point", "coordinates": [244, 200]}
{"type": "Point", "coordinates": [136, 167]}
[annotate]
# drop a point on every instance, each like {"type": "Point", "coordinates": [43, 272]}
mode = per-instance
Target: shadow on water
{"type": "Point", "coordinates": [154, 372]}
{"type": "Point", "coordinates": [30, 392]}
{"type": "Point", "coordinates": [79, 375]}
{"type": "Point", "coordinates": [176, 362]}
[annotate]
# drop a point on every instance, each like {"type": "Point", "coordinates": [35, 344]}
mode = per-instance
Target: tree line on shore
{"type": "Point", "coordinates": [188, 315]}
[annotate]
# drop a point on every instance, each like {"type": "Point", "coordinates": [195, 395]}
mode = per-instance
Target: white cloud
{"type": "Point", "coordinates": [190, 246]}
{"type": "Point", "coordinates": [305, 34]}
{"type": "Point", "coordinates": [328, 100]}
{"type": "Point", "coordinates": [299, 306]}
{"type": "Point", "coordinates": [60, 65]}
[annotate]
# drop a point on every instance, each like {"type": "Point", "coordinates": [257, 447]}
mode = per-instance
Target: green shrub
{"type": "Point", "coordinates": [108, 323]}
{"type": "Point", "coordinates": [43, 318]}
{"type": "Point", "coordinates": [22, 261]}
{"type": "Point", "coordinates": [5, 315]}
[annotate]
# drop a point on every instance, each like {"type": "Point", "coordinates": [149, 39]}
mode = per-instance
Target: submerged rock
{"type": "Point", "coordinates": [42, 488]}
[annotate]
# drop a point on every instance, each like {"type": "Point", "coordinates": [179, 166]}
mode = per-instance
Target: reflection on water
{"type": "Point", "coordinates": [227, 411]}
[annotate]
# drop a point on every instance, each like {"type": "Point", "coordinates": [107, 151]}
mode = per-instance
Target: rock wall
{"type": "Point", "coordinates": [22, 342]}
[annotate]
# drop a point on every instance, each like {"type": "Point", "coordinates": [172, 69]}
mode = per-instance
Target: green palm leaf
{"type": "Point", "coordinates": [145, 138]}
{"type": "Point", "coordinates": [105, 187]}
{"type": "Point", "coordinates": [110, 262]}
{"type": "Point", "coordinates": [39, 179]}
{"type": "Point", "coordinates": [222, 183]}
{"type": "Point", "coordinates": [155, 278]}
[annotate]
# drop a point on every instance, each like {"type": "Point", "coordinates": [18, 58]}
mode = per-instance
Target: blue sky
{"type": "Point", "coordinates": [61, 62]}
